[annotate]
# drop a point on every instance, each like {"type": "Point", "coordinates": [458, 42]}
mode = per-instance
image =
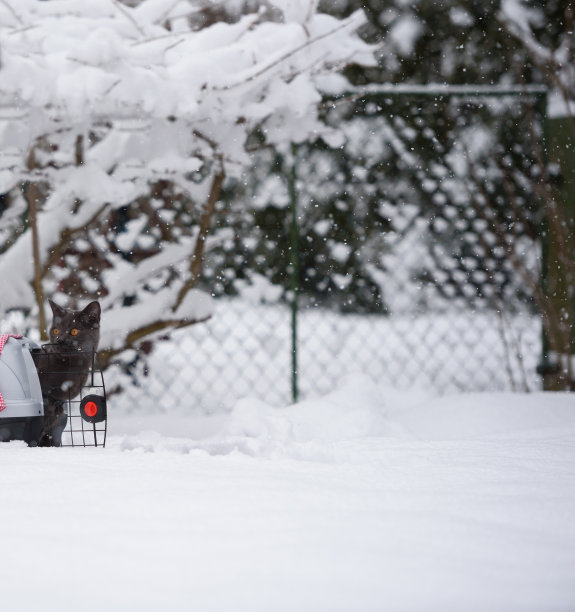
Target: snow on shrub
{"type": "Point", "coordinates": [102, 103]}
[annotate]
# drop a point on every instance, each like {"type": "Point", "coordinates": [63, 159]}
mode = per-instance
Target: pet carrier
{"type": "Point", "coordinates": [21, 407]}
{"type": "Point", "coordinates": [81, 419]}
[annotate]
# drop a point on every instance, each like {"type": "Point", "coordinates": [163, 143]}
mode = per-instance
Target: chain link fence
{"type": "Point", "coordinates": [410, 252]}
{"type": "Point", "coordinates": [245, 350]}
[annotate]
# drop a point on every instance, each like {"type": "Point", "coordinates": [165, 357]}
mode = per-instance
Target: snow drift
{"type": "Point", "coordinates": [366, 499]}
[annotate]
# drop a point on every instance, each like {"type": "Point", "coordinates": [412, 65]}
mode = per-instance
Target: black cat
{"type": "Point", "coordinates": [64, 364]}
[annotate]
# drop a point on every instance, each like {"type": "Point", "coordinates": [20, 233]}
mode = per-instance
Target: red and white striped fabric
{"type": "Point", "coordinates": [3, 340]}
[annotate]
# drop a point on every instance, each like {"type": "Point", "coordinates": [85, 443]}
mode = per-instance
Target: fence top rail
{"type": "Point", "coordinates": [441, 91]}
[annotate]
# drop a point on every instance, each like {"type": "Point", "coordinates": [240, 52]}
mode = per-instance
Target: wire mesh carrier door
{"type": "Point", "coordinates": [74, 391]}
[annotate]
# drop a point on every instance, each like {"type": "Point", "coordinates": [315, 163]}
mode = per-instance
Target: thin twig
{"type": "Point", "coordinates": [283, 58]}
{"type": "Point", "coordinates": [11, 10]}
{"type": "Point", "coordinates": [516, 341]}
{"type": "Point", "coordinates": [122, 9]}
{"type": "Point", "coordinates": [165, 14]}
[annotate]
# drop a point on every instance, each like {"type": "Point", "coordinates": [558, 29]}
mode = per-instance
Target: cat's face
{"type": "Point", "coordinates": [76, 329]}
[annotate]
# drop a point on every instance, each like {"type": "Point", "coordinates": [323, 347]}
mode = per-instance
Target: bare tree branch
{"type": "Point", "coordinates": [32, 197]}
{"type": "Point", "coordinates": [196, 261]}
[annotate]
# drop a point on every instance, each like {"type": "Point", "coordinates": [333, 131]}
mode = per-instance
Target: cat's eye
{"type": "Point", "coordinates": [56, 331]}
{"type": "Point", "coordinates": [74, 332]}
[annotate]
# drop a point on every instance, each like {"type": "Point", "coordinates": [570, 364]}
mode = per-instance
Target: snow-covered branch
{"type": "Point", "coordinates": [122, 105]}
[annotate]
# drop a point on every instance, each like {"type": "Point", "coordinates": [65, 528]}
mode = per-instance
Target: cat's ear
{"type": "Point", "coordinates": [57, 311]}
{"type": "Point", "coordinates": [92, 312]}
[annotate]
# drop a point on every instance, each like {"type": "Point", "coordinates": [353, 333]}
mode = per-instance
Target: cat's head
{"type": "Point", "coordinates": [76, 329]}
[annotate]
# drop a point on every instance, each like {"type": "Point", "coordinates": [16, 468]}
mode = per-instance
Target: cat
{"type": "Point", "coordinates": [64, 364]}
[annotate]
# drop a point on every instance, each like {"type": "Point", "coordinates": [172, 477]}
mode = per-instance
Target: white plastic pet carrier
{"type": "Point", "coordinates": [21, 406]}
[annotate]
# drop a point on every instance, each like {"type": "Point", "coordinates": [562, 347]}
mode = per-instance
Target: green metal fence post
{"type": "Point", "coordinates": [546, 368]}
{"type": "Point", "coordinates": [294, 273]}
{"type": "Point", "coordinates": [559, 255]}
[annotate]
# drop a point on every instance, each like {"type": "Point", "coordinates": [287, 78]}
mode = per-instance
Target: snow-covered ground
{"type": "Point", "coordinates": [365, 499]}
